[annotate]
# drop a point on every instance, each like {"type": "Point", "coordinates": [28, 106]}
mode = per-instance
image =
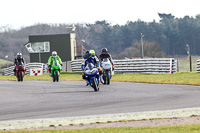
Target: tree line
{"type": "Point", "coordinates": [168, 37]}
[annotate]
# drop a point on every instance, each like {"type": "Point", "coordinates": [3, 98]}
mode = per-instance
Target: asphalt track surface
{"type": "Point", "coordinates": [46, 99]}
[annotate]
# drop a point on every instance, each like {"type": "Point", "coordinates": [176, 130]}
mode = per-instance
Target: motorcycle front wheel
{"type": "Point", "coordinates": [21, 76]}
{"type": "Point", "coordinates": [107, 78]}
{"type": "Point", "coordinates": [94, 84]}
{"type": "Point", "coordinates": [54, 78]}
{"type": "Point", "coordinates": [57, 76]}
{"type": "Point", "coordinates": [18, 77]}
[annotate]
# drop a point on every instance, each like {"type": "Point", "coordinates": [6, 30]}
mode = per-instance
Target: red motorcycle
{"type": "Point", "coordinates": [20, 71]}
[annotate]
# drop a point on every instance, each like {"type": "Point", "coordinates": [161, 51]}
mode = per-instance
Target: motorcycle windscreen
{"type": "Point", "coordinates": [56, 63]}
{"type": "Point", "coordinates": [105, 59]}
{"type": "Point", "coordinates": [90, 66]}
{"type": "Point", "coordinates": [20, 65]}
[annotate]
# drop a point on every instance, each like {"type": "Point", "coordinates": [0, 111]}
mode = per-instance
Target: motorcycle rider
{"type": "Point", "coordinates": [19, 58]}
{"type": "Point", "coordinates": [89, 58]}
{"type": "Point", "coordinates": [93, 53]}
{"type": "Point", "coordinates": [51, 59]}
{"type": "Point", "coordinates": [105, 54]}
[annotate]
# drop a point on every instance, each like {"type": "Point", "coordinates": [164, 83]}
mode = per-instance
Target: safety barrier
{"type": "Point", "coordinates": [149, 66]}
{"type": "Point", "coordinates": [198, 66]}
{"type": "Point", "coordinates": [9, 70]}
{"type": "Point", "coordinates": [76, 66]}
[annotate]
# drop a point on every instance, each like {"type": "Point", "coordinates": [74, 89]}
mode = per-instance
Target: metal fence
{"type": "Point", "coordinates": [149, 66]}
{"type": "Point", "coordinates": [76, 66]}
{"type": "Point", "coordinates": [198, 66]}
{"type": "Point", "coordinates": [9, 70]}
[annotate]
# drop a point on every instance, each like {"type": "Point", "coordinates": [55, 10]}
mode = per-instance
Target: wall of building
{"type": "Point", "coordinates": [62, 43]}
{"type": "Point", "coordinates": [73, 46]}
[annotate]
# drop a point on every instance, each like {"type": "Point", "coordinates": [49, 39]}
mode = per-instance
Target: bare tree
{"type": "Point", "coordinates": [151, 49]}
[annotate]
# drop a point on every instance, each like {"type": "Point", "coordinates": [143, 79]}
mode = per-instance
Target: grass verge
{"type": "Point", "coordinates": [161, 129]}
{"type": "Point", "coordinates": [186, 78]}
{"type": "Point", "coordinates": [46, 77]}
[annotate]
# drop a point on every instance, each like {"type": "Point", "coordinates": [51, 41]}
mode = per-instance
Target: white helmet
{"type": "Point", "coordinates": [54, 54]}
{"type": "Point", "coordinates": [19, 55]}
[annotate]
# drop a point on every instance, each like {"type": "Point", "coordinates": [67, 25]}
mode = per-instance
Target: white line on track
{"type": "Point", "coordinates": [37, 123]}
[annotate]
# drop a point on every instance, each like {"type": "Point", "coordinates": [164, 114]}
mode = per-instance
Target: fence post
{"type": "Point", "coordinates": [190, 64]}
{"type": "Point", "coordinates": [171, 66]}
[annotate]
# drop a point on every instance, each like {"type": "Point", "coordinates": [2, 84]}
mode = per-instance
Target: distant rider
{"type": "Point", "coordinates": [51, 59]}
{"type": "Point", "coordinates": [105, 54]}
{"type": "Point", "coordinates": [19, 58]}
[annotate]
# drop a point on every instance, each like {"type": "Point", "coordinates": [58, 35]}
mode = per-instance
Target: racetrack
{"type": "Point", "coordinates": [45, 99]}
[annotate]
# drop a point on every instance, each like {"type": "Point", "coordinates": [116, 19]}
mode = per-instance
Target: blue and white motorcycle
{"type": "Point", "coordinates": [107, 70]}
{"type": "Point", "coordinates": [92, 75]}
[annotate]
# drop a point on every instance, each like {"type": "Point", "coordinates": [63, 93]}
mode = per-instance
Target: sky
{"type": "Point", "coordinates": [22, 13]}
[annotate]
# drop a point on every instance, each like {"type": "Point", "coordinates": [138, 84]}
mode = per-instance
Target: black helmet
{"type": "Point", "coordinates": [87, 52]}
{"type": "Point", "coordinates": [87, 55]}
{"type": "Point", "coordinates": [104, 50]}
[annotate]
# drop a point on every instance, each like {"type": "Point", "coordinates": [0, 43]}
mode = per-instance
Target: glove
{"type": "Point", "coordinates": [83, 67]}
{"type": "Point", "coordinates": [99, 68]}
{"type": "Point", "coordinates": [113, 68]}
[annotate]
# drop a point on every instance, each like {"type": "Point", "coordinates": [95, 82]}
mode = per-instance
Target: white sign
{"type": "Point", "coordinates": [36, 72]}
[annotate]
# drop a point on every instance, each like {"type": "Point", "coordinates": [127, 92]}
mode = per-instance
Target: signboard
{"type": "Point", "coordinates": [36, 72]}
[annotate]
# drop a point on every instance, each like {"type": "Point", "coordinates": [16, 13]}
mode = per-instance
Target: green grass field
{"type": "Point", "coordinates": [63, 76]}
{"type": "Point", "coordinates": [161, 129]}
{"type": "Point", "coordinates": [186, 78]}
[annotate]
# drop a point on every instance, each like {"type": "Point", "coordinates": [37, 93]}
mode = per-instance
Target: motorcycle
{"type": "Point", "coordinates": [55, 70]}
{"type": "Point", "coordinates": [20, 70]}
{"type": "Point", "coordinates": [92, 75]}
{"type": "Point", "coordinates": [107, 70]}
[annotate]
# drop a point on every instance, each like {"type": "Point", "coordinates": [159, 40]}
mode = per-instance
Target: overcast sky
{"type": "Point", "coordinates": [21, 13]}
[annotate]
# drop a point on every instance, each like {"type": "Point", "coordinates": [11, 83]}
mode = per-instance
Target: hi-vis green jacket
{"type": "Point", "coordinates": [51, 59]}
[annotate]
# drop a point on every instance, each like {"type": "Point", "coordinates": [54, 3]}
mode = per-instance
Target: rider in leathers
{"type": "Point", "coordinates": [19, 58]}
{"type": "Point", "coordinates": [51, 59]}
{"type": "Point", "coordinates": [89, 58]}
{"type": "Point", "coordinates": [105, 54]}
